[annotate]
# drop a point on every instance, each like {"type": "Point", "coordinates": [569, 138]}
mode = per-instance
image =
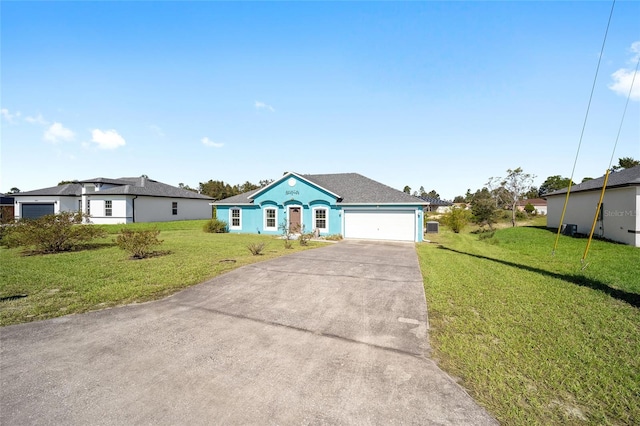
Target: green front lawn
{"type": "Point", "coordinates": [103, 276]}
{"type": "Point", "coordinates": [533, 337]}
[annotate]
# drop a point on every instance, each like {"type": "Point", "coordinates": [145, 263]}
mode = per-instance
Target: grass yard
{"type": "Point", "coordinates": [533, 337]}
{"type": "Point", "coordinates": [103, 276]}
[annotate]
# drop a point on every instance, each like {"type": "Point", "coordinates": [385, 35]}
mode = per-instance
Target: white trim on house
{"type": "Point", "coordinates": [288, 175]}
{"type": "Point", "coordinates": [231, 210]}
{"type": "Point", "coordinates": [314, 210]}
{"type": "Point", "coordinates": [275, 218]}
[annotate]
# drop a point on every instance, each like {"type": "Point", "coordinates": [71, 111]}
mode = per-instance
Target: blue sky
{"type": "Point", "coordinates": [436, 94]}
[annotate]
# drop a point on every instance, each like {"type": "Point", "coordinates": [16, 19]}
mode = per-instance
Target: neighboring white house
{"type": "Point", "coordinates": [436, 205]}
{"type": "Point", "coordinates": [619, 216]}
{"type": "Point", "coordinates": [110, 201]}
{"type": "Point", "coordinates": [539, 205]}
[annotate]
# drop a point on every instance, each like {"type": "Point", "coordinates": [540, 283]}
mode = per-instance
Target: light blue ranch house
{"type": "Point", "coordinates": [348, 204]}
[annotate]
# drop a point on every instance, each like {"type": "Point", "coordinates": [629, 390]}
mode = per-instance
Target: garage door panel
{"type": "Point", "coordinates": [34, 211]}
{"type": "Point", "coordinates": [380, 225]}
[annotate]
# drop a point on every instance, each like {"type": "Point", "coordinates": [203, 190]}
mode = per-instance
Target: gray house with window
{"type": "Point", "coordinates": [111, 201]}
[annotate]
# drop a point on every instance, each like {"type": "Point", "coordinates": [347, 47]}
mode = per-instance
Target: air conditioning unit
{"type": "Point", "coordinates": [569, 229]}
{"type": "Point", "coordinates": [432, 227]}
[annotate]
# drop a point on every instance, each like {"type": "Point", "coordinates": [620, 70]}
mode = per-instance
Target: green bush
{"type": "Point", "coordinates": [256, 248]}
{"type": "Point", "coordinates": [138, 243]}
{"type": "Point", "coordinates": [216, 226]}
{"type": "Point", "coordinates": [456, 219]}
{"type": "Point", "coordinates": [529, 208]}
{"type": "Point", "coordinates": [333, 237]}
{"type": "Point", "coordinates": [52, 233]}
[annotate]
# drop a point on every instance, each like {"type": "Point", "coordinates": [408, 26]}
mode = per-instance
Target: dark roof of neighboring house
{"type": "Point", "coordinates": [626, 177]}
{"type": "Point", "coordinates": [351, 188]}
{"type": "Point", "coordinates": [66, 190]}
{"type": "Point", "coordinates": [533, 202]}
{"type": "Point", "coordinates": [126, 186]}
{"type": "Point", "coordinates": [435, 201]}
{"type": "Point", "coordinates": [6, 199]}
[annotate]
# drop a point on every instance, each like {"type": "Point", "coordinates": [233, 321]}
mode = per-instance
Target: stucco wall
{"type": "Point", "coordinates": [281, 196]}
{"type": "Point", "coordinates": [59, 203]}
{"type": "Point", "coordinates": [620, 213]}
{"type": "Point", "coordinates": [121, 211]}
{"type": "Point", "coordinates": [157, 209]}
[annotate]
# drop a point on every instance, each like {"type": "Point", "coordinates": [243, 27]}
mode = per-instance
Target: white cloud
{"type": "Point", "coordinates": [39, 119]}
{"type": "Point", "coordinates": [624, 78]}
{"type": "Point", "coordinates": [157, 130]}
{"type": "Point", "coordinates": [108, 139]}
{"type": "Point", "coordinates": [208, 142]}
{"type": "Point", "coordinates": [58, 133]}
{"type": "Point", "coordinates": [10, 118]}
{"type": "Point", "coordinates": [262, 105]}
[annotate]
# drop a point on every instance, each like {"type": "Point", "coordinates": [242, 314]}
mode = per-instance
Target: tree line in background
{"type": "Point", "coordinates": [218, 189]}
{"type": "Point", "coordinates": [495, 187]}
{"type": "Point", "coordinates": [501, 194]}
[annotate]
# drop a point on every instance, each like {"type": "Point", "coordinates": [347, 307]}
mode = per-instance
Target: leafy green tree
{"type": "Point", "coordinates": [422, 192]}
{"type": "Point", "coordinates": [13, 190]}
{"type": "Point", "coordinates": [407, 189]}
{"type": "Point", "coordinates": [187, 187]}
{"type": "Point", "coordinates": [529, 208]}
{"type": "Point", "coordinates": [468, 196]}
{"type": "Point", "coordinates": [64, 182]}
{"type": "Point", "coordinates": [587, 179]}
{"type": "Point", "coordinates": [554, 183]}
{"type": "Point", "coordinates": [433, 194]}
{"type": "Point", "coordinates": [626, 163]}
{"type": "Point", "coordinates": [217, 189]}
{"type": "Point", "coordinates": [483, 208]}
{"type": "Point", "coordinates": [459, 199]}
{"type": "Point", "coordinates": [532, 193]}
{"type": "Point", "coordinates": [456, 219]}
{"type": "Point", "coordinates": [516, 183]}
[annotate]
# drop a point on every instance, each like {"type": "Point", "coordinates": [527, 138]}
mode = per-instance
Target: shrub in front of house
{"type": "Point", "coordinates": [139, 244]}
{"type": "Point", "coordinates": [333, 237]}
{"type": "Point", "coordinates": [52, 233]}
{"type": "Point", "coordinates": [529, 208]}
{"type": "Point", "coordinates": [256, 248]}
{"type": "Point", "coordinates": [216, 226]}
{"type": "Point", "coordinates": [456, 219]}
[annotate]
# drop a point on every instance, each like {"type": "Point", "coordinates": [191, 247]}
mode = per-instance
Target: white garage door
{"type": "Point", "coordinates": [399, 225]}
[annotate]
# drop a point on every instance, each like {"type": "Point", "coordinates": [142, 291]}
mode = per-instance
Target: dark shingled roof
{"type": "Point", "coordinates": [352, 188]}
{"type": "Point", "coordinates": [126, 186]}
{"type": "Point", "coordinates": [626, 177]}
{"type": "Point", "coordinates": [6, 199]}
{"type": "Point", "coordinates": [66, 190]}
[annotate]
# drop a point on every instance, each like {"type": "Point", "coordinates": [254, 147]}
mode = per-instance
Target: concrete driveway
{"type": "Point", "coordinates": [336, 335]}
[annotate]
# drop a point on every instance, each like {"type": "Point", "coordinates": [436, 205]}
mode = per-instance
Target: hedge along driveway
{"type": "Point", "coordinates": [104, 276]}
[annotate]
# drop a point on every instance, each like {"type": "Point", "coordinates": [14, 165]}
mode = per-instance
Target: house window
{"type": "Point", "coordinates": [236, 219]}
{"type": "Point", "coordinates": [80, 206]}
{"type": "Point", "coordinates": [174, 208]}
{"type": "Point", "coordinates": [108, 208]}
{"type": "Point", "coordinates": [270, 219]}
{"type": "Point", "coordinates": [321, 219]}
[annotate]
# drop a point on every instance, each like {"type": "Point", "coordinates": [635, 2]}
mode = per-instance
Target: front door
{"type": "Point", "coordinates": [294, 219]}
